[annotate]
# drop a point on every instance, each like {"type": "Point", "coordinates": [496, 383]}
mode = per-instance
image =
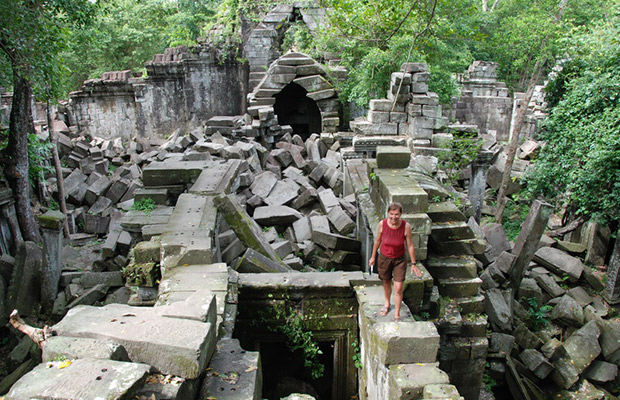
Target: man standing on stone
{"type": "Point", "coordinates": [392, 235]}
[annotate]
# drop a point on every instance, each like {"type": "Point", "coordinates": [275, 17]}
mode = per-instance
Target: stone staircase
{"type": "Point", "coordinates": [398, 359]}
{"type": "Point", "coordinates": [447, 245]}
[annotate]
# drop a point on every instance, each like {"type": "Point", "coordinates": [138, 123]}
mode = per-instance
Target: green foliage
{"type": "Point", "coordinates": [537, 316]}
{"type": "Point", "coordinates": [357, 355]}
{"type": "Point", "coordinates": [146, 204]}
{"type": "Point", "coordinates": [580, 164]}
{"type": "Point", "coordinates": [53, 205]}
{"type": "Point", "coordinates": [298, 38]}
{"type": "Point", "coordinates": [375, 38]}
{"type": "Point", "coordinates": [300, 339]}
{"type": "Point", "coordinates": [127, 33]}
{"type": "Point", "coordinates": [33, 35]}
{"type": "Point", "coordinates": [515, 213]}
{"type": "Point", "coordinates": [489, 383]}
{"type": "Point", "coordinates": [39, 152]}
{"type": "Point", "coordinates": [463, 151]}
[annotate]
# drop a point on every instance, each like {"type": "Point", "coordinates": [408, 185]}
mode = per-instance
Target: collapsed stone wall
{"type": "Point", "coordinates": [183, 88]}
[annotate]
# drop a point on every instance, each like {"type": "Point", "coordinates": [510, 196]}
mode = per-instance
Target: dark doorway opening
{"type": "Point", "coordinates": [300, 112]}
{"type": "Point", "coordinates": [284, 371]}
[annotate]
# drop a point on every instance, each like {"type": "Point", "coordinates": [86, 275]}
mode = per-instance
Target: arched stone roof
{"type": "Point", "coordinates": [303, 70]}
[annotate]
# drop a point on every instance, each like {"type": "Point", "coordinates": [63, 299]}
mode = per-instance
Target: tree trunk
{"type": "Point", "coordinates": [485, 6]}
{"type": "Point", "coordinates": [514, 140]}
{"type": "Point", "coordinates": [16, 155]}
{"type": "Point", "coordinates": [60, 181]}
{"type": "Point", "coordinates": [514, 143]}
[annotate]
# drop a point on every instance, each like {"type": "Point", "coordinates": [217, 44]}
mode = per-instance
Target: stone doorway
{"type": "Point", "coordinates": [295, 109]}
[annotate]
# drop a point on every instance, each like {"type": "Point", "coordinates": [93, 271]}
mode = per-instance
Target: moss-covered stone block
{"type": "Point", "coordinates": [142, 274]}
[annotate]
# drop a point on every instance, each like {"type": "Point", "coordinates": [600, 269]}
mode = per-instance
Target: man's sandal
{"type": "Point", "coordinates": [397, 319]}
{"type": "Point", "coordinates": [384, 311]}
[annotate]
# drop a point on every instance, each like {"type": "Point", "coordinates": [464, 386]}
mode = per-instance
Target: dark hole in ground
{"type": "Point", "coordinates": [300, 112]}
{"type": "Point", "coordinates": [284, 371]}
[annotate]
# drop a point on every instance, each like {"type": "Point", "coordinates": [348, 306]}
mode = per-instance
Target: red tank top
{"type": "Point", "coordinates": [393, 240]}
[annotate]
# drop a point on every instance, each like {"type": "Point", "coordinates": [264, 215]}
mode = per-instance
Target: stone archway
{"type": "Point", "coordinates": [294, 108]}
{"type": "Point", "coordinates": [303, 71]}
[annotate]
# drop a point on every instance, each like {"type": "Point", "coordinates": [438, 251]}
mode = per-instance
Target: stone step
{"type": "Point", "coordinates": [230, 361]}
{"type": "Point", "coordinates": [451, 267]}
{"type": "Point", "coordinates": [86, 378]}
{"type": "Point", "coordinates": [459, 247]}
{"type": "Point", "coordinates": [427, 151]}
{"type": "Point", "coordinates": [451, 231]}
{"type": "Point", "coordinates": [444, 211]}
{"type": "Point", "coordinates": [407, 381]}
{"type": "Point", "coordinates": [459, 287]}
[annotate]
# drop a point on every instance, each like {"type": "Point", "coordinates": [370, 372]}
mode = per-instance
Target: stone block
{"type": "Point", "coordinates": [70, 348]}
{"type": "Point", "coordinates": [254, 262]}
{"type": "Point", "coordinates": [173, 346]}
{"type": "Point", "coordinates": [276, 215]}
{"type": "Point", "coordinates": [389, 157]}
{"type": "Point", "coordinates": [283, 192]}
{"type": "Point", "coordinates": [313, 83]}
{"type": "Point", "coordinates": [341, 221]}
{"type": "Point", "coordinates": [82, 378]}
{"type": "Point", "coordinates": [409, 380]}
{"type": "Point", "coordinates": [336, 242]}
{"type": "Point", "coordinates": [559, 262]}
{"type": "Point", "coordinates": [378, 117]}
{"type": "Point", "coordinates": [230, 361]}
{"type": "Point", "coordinates": [404, 343]}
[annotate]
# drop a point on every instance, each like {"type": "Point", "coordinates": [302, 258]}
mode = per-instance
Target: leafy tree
{"type": "Point", "coordinates": [375, 38]}
{"type": "Point", "coordinates": [33, 33]}
{"type": "Point", "coordinates": [127, 33]}
{"type": "Point", "coordinates": [579, 166]}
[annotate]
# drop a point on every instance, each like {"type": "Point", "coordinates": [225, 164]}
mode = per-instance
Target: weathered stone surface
{"type": "Point", "coordinates": [559, 262]}
{"type": "Point", "coordinates": [171, 345]}
{"type": "Point", "coordinates": [409, 380]}
{"type": "Point", "coordinates": [341, 220]}
{"type": "Point", "coordinates": [499, 312]}
{"type": "Point", "coordinates": [334, 241]}
{"type": "Point", "coordinates": [496, 237]}
{"type": "Point", "coordinates": [276, 215]}
{"type": "Point", "coordinates": [254, 262]}
{"type": "Point", "coordinates": [548, 284]}
{"type": "Point", "coordinates": [81, 379]}
{"type": "Point", "coordinates": [245, 227]}
{"type": "Point", "coordinates": [393, 156]}
{"type": "Point", "coordinates": [411, 342]}
{"type": "Point", "coordinates": [283, 192]}
{"type": "Point", "coordinates": [536, 362]}
{"type": "Point", "coordinates": [582, 346]}
{"type": "Point", "coordinates": [328, 199]}
{"type": "Point", "coordinates": [303, 229]}
{"type": "Point", "coordinates": [528, 239]}
{"type": "Point", "coordinates": [601, 371]}
{"type": "Point", "coordinates": [501, 343]}
{"type": "Point", "coordinates": [57, 347]}
{"type": "Point", "coordinates": [229, 361]}
{"type": "Point", "coordinates": [568, 312]}
{"type": "Point", "coordinates": [23, 292]}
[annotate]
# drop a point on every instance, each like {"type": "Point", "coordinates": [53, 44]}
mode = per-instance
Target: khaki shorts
{"type": "Point", "coordinates": [392, 268]}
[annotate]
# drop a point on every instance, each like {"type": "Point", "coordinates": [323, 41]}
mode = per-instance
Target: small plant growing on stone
{"type": "Point", "coordinates": [147, 205]}
{"type": "Point", "coordinates": [537, 316]}
{"type": "Point", "coordinates": [357, 355]}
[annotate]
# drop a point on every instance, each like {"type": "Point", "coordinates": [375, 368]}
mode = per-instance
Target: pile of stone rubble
{"type": "Point", "coordinates": [292, 192]}
{"type": "Point", "coordinates": [574, 339]}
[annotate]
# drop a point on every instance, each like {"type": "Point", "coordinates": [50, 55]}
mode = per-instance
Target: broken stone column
{"type": "Point", "coordinates": [51, 229]}
{"type": "Point", "coordinates": [612, 289]}
{"type": "Point", "coordinates": [527, 241]}
{"type": "Point", "coordinates": [479, 181]}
